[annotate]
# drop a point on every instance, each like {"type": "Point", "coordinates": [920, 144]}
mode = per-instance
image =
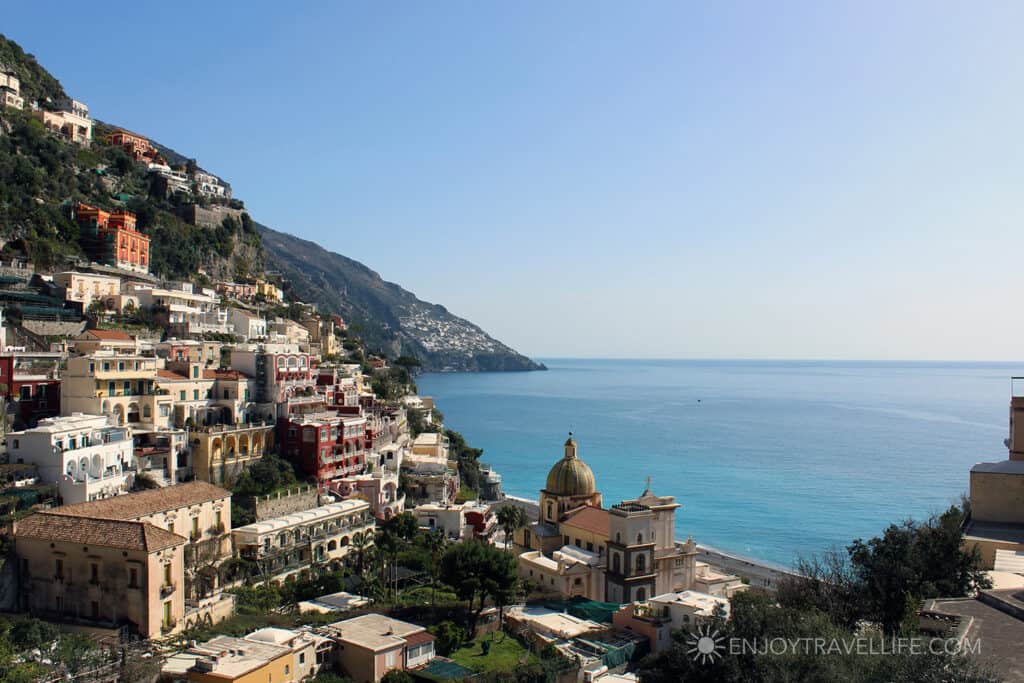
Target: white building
{"type": "Point", "coordinates": [186, 310]}
{"type": "Point", "coordinates": [70, 120]}
{"type": "Point", "coordinates": [246, 324]}
{"type": "Point", "coordinates": [211, 185]}
{"type": "Point", "coordinates": [82, 454]}
{"type": "Point", "coordinates": [292, 542]}
{"type": "Point", "coordinates": [569, 572]}
{"type": "Point", "coordinates": [311, 653]}
{"type": "Point", "coordinates": [10, 89]}
{"type": "Point", "coordinates": [87, 288]}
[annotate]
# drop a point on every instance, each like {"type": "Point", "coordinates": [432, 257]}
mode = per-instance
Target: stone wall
{"type": "Point", "coordinates": [47, 328]}
{"type": "Point", "coordinates": [286, 502]}
{"type": "Point", "coordinates": [211, 217]}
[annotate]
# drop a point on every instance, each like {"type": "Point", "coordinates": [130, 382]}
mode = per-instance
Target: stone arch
{"type": "Point", "coordinates": [119, 414]}
{"type": "Point", "coordinates": [230, 444]}
{"type": "Point", "coordinates": [215, 447]}
{"type": "Point", "coordinates": [257, 443]}
{"type": "Point", "coordinates": [332, 545]}
{"type": "Point", "coordinates": [133, 411]}
{"type": "Point", "coordinates": [243, 443]}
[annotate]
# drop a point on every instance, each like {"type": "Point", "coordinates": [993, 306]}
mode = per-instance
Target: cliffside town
{"type": "Point", "coordinates": [217, 467]}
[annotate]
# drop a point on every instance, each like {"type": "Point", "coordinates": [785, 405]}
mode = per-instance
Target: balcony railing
{"type": "Point", "coordinates": [167, 589]}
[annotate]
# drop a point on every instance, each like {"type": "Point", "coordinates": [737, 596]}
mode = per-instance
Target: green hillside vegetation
{"type": "Point", "coordinates": [36, 82]}
{"type": "Point", "coordinates": [42, 177]}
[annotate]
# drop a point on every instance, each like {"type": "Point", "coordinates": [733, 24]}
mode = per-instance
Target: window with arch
{"type": "Point", "coordinates": [641, 564]}
{"type": "Point", "coordinates": [641, 594]}
{"type": "Point", "coordinates": [639, 539]}
{"type": "Point", "coordinates": [616, 566]}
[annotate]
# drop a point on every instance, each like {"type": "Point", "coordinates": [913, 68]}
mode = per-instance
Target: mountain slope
{"type": "Point", "coordinates": [391, 318]}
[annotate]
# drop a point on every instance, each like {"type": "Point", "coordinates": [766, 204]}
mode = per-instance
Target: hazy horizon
{"type": "Point", "coordinates": [600, 180]}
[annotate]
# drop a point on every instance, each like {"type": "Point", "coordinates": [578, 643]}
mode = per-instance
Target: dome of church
{"type": "Point", "coordinates": [570, 476]}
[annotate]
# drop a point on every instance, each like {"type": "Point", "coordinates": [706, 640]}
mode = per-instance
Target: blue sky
{"type": "Point", "coordinates": [791, 180]}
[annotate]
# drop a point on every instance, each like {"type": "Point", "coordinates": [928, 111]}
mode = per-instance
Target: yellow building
{"type": "Point", "coordinates": [120, 386]}
{"type": "Point", "coordinates": [220, 453]}
{"type": "Point", "coordinates": [996, 524]}
{"type": "Point", "coordinates": [103, 573]}
{"type": "Point", "coordinates": [226, 659]}
{"type": "Point", "coordinates": [577, 547]}
{"type": "Point", "coordinates": [197, 512]}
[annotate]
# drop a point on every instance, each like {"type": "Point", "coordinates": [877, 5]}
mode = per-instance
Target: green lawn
{"type": "Point", "coordinates": [506, 654]}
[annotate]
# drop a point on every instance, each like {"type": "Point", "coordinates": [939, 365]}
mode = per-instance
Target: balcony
{"type": "Point", "coordinates": [167, 589]}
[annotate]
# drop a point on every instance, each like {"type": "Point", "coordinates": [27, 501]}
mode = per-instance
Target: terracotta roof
{"type": "Point", "coordinates": [109, 533]}
{"type": "Point", "coordinates": [170, 374]}
{"type": "Point", "coordinates": [111, 335]}
{"type": "Point", "coordinates": [135, 505]}
{"type": "Point", "coordinates": [418, 638]}
{"type": "Point", "coordinates": [594, 520]}
{"type": "Point", "coordinates": [224, 374]}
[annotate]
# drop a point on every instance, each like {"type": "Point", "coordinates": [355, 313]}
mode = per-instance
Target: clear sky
{"type": "Point", "coordinates": [720, 179]}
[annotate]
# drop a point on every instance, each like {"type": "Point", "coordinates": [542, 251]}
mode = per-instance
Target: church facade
{"type": "Point", "coordinates": [625, 553]}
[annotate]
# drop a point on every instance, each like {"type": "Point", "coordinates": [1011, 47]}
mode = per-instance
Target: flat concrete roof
{"type": "Point", "coordinates": [1001, 635]}
{"type": "Point", "coordinates": [1001, 467]}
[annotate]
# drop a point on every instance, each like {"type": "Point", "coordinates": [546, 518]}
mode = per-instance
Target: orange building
{"type": "Point", "coordinates": [136, 145]}
{"type": "Point", "coordinates": [115, 241]}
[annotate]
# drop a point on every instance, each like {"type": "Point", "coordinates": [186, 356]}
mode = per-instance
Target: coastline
{"type": "Point", "coordinates": [760, 573]}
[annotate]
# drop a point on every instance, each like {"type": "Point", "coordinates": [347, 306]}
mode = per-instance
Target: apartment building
{"type": "Point", "coordinates": [183, 310]}
{"type": "Point", "coordinates": [83, 455]}
{"type": "Point", "coordinates": [246, 324]}
{"type": "Point", "coordinates": [120, 386]}
{"type": "Point", "coordinates": [100, 572]}
{"type": "Point", "coordinates": [291, 543]}
{"type": "Point", "coordinates": [88, 288]}
{"type": "Point", "coordinates": [111, 238]}
{"type": "Point", "coordinates": [32, 381]}
{"type": "Point", "coordinates": [69, 120]}
{"type": "Point", "coordinates": [325, 445]}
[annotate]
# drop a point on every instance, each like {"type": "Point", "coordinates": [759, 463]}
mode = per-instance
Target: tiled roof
{"type": "Point", "coordinates": [224, 374]}
{"type": "Point", "coordinates": [594, 520]}
{"type": "Point", "coordinates": [109, 533]}
{"type": "Point", "coordinates": [135, 505]}
{"type": "Point", "coordinates": [112, 335]}
{"type": "Point", "coordinates": [170, 374]}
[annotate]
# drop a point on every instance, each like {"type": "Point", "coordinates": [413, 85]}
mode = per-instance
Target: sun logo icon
{"type": "Point", "coordinates": [705, 645]}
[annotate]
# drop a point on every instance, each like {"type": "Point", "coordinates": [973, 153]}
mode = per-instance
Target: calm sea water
{"type": "Point", "coordinates": [772, 460]}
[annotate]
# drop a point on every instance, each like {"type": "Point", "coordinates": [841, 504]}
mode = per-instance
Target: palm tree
{"type": "Point", "coordinates": [362, 542]}
{"type": "Point", "coordinates": [511, 517]}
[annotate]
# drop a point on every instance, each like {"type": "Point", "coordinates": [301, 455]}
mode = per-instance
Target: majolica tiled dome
{"type": "Point", "coordinates": [570, 476]}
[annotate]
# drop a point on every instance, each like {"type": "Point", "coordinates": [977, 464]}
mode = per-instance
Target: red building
{"type": "Point", "coordinates": [114, 239]}
{"type": "Point", "coordinates": [324, 445]}
{"type": "Point", "coordinates": [31, 385]}
{"type": "Point", "coordinates": [138, 146]}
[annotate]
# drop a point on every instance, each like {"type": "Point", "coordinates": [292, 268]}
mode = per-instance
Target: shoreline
{"type": "Point", "coordinates": [760, 573]}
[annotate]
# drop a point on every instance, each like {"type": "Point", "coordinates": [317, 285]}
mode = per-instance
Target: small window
{"type": "Point", "coordinates": [133, 578]}
{"type": "Point", "coordinates": [60, 569]}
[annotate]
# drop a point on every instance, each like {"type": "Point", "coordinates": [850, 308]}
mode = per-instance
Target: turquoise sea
{"type": "Point", "coordinates": [769, 459]}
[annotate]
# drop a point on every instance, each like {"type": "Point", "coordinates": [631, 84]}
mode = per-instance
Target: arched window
{"type": "Point", "coordinates": [551, 510]}
{"type": "Point", "coordinates": [641, 564]}
{"type": "Point", "coordinates": [618, 537]}
{"type": "Point", "coordinates": [639, 539]}
{"type": "Point", "coordinates": [641, 594]}
{"type": "Point", "coordinates": [616, 567]}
